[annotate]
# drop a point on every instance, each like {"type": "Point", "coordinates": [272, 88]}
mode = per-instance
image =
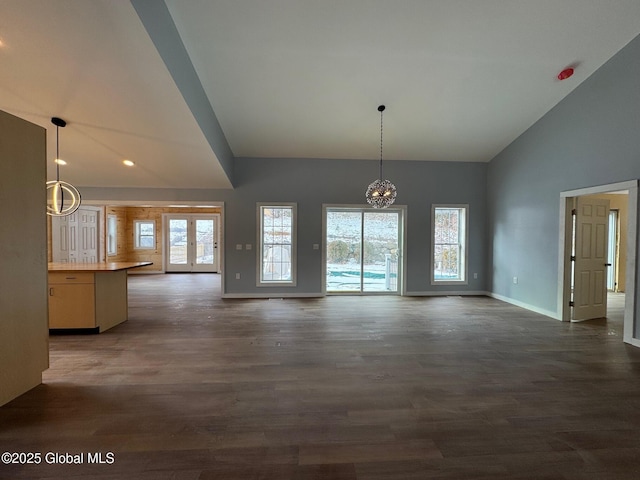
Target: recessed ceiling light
{"type": "Point", "coordinates": [128, 163]}
{"type": "Point", "coordinates": [59, 161]}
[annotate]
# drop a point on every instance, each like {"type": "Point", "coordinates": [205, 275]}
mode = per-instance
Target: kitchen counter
{"type": "Point", "coordinates": [95, 267]}
{"type": "Point", "coordinates": [88, 297]}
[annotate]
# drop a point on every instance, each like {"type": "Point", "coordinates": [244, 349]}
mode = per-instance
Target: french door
{"type": "Point", "coordinates": [363, 250]}
{"type": "Point", "coordinates": [191, 243]}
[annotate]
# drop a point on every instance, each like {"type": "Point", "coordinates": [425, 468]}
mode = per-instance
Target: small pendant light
{"type": "Point", "coordinates": [381, 193]}
{"type": "Point", "coordinates": [60, 204]}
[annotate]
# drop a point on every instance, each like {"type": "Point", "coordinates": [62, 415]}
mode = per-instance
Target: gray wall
{"type": "Point", "coordinates": [312, 183]}
{"type": "Point", "coordinates": [590, 138]}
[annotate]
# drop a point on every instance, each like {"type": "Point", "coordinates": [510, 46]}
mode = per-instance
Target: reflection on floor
{"type": "Point", "coordinates": [614, 321]}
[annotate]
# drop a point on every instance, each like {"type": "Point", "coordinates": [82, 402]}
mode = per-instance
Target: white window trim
{"type": "Point", "coordinates": [465, 262]}
{"type": "Point", "coordinates": [294, 246]}
{"type": "Point", "coordinates": [136, 237]}
{"type": "Point", "coordinates": [112, 220]}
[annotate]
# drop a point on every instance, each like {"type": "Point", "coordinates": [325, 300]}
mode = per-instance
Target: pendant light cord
{"type": "Point", "coordinates": [57, 153]}
{"type": "Point", "coordinates": [381, 110]}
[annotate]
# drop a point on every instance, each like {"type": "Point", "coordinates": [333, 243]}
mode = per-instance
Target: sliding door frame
{"type": "Point", "coordinates": [402, 258]}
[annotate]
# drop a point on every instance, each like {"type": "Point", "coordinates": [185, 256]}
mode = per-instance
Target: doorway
{"type": "Point", "coordinates": [191, 243]}
{"type": "Point", "coordinates": [625, 194]}
{"type": "Point", "coordinates": [363, 250]}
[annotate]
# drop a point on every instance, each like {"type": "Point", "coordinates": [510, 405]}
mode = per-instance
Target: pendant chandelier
{"type": "Point", "coordinates": [62, 198]}
{"type": "Point", "coordinates": [381, 193]}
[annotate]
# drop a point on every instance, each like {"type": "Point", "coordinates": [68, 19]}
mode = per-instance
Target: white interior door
{"type": "Point", "coordinates": [191, 243]}
{"type": "Point", "coordinates": [590, 268]}
{"type": "Point", "coordinates": [74, 238]}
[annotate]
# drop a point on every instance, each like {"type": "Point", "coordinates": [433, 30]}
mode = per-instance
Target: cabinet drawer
{"type": "Point", "coordinates": [70, 277]}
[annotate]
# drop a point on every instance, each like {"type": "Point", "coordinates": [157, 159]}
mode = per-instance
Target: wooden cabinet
{"type": "Point", "coordinates": [72, 300]}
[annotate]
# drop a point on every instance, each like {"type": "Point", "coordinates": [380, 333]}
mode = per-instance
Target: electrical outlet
{"type": "Point", "coordinates": [475, 276]}
{"type": "Point", "coordinates": [515, 280]}
{"type": "Point", "coordinates": [237, 276]}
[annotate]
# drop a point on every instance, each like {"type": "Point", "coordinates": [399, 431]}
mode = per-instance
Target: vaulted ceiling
{"type": "Point", "coordinates": [182, 87]}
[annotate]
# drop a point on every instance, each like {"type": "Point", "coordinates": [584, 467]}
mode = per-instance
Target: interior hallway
{"type": "Point", "coordinates": [196, 387]}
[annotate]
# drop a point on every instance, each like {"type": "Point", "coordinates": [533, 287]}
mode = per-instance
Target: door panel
{"type": "Point", "coordinates": [380, 251]}
{"type": "Point", "coordinates": [177, 245]}
{"type": "Point", "coordinates": [343, 244]}
{"type": "Point", "coordinates": [205, 241]}
{"type": "Point", "coordinates": [590, 286]}
{"type": "Point", "coordinates": [88, 250]}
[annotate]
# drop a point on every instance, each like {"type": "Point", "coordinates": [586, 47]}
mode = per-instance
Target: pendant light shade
{"type": "Point", "coordinates": [381, 193]}
{"type": "Point", "coordinates": [62, 198]}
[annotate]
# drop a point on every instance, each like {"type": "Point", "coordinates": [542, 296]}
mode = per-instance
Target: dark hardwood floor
{"type": "Point", "coordinates": [195, 387]}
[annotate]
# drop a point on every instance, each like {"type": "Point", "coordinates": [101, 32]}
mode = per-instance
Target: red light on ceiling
{"type": "Point", "coordinates": [566, 73]}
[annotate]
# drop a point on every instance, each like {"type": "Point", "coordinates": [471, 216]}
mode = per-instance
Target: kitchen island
{"type": "Point", "coordinates": [88, 297]}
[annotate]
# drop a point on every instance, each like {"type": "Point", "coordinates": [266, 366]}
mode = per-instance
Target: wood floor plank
{"type": "Point", "coordinates": [356, 388]}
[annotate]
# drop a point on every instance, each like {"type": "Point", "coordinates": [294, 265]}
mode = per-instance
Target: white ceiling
{"type": "Point", "coordinates": [461, 79]}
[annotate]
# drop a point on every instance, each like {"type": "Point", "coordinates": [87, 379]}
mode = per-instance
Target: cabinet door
{"type": "Point", "coordinates": [72, 306]}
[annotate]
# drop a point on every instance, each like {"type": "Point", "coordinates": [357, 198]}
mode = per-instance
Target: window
{"type": "Point", "coordinates": [449, 233]}
{"type": "Point", "coordinates": [144, 234]}
{"type": "Point", "coordinates": [112, 235]}
{"type": "Point", "coordinates": [277, 255]}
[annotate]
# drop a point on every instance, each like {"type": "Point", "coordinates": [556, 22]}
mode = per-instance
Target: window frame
{"type": "Point", "coordinates": [137, 236]}
{"type": "Point", "coordinates": [112, 235]}
{"type": "Point", "coordinates": [260, 281]}
{"type": "Point", "coordinates": [463, 242]}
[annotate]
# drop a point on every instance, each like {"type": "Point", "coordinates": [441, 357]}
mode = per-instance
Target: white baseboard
{"type": "Point", "coordinates": [272, 295]}
{"type": "Point", "coordinates": [526, 306]}
{"type": "Point", "coordinates": [133, 271]}
{"type": "Point", "coordinates": [318, 295]}
{"type": "Point", "coordinates": [453, 293]}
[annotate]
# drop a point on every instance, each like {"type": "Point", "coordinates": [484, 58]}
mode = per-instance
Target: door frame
{"type": "Point", "coordinates": [564, 253]}
{"type": "Point", "coordinates": [402, 261]}
{"type": "Point", "coordinates": [217, 218]}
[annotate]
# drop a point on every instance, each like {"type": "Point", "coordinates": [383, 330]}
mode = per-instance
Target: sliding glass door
{"type": "Point", "coordinates": [363, 250]}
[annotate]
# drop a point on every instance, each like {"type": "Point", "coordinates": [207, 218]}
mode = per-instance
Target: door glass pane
{"type": "Point", "coordinates": [204, 242]}
{"type": "Point", "coordinates": [380, 252]}
{"type": "Point", "coordinates": [344, 232]}
{"type": "Point", "coordinates": [178, 241]}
